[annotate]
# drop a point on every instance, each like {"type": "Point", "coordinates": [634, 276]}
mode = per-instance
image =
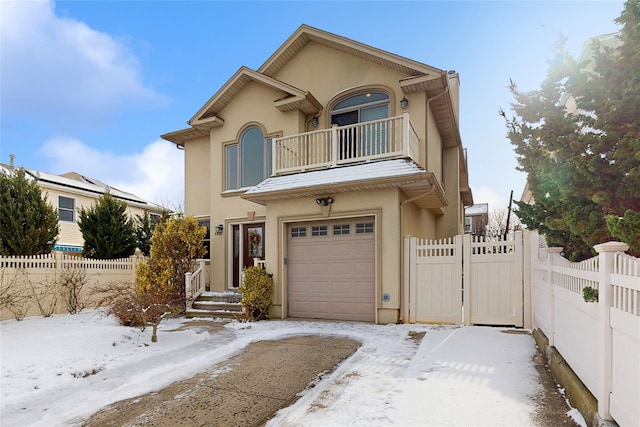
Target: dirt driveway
{"type": "Point", "coordinates": [272, 375]}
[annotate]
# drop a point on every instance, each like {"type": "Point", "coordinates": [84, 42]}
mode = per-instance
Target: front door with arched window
{"type": "Point", "coordinates": [361, 141]}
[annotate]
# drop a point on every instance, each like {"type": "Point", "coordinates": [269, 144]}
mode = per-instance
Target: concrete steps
{"type": "Point", "coordinates": [226, 305]}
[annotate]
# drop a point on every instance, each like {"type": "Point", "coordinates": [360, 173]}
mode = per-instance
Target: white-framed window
{"type": "Point", "coordinates": [248, 162]}
{"type": "Point", "coordinates": [467, 224]}
{"type": "Point", "coordinates": [66, 209]}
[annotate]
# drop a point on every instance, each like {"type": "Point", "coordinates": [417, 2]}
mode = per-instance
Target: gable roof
{"type": "Point", "coordinates": [293, 98]}
{"type": "Point", "coordinates": [305, 34]}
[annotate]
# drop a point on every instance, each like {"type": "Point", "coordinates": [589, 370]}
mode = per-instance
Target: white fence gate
{"type": "Point", "coordinates": [464, 279]}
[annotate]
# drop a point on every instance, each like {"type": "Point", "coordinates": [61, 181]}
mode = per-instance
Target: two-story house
{"type": "Point", "coordinates": [319, 163]}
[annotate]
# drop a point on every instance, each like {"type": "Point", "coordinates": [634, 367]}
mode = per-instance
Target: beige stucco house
{"type": "Point", "coordinates": [70, 192]}
{"type": "Point", "coordinates": [318, 163]}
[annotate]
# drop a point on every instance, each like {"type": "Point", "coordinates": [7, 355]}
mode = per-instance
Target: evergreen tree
{"type": "Point", "coordinates": [28, 224]}
{"type": "Point", "coordinates": [107, 230]}
{"type": "Point", "coordinates": [609, 103]}
{"type": "Point", "coordinates": [583, 166]}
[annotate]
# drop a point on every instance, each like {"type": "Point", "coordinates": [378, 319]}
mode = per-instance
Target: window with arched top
{"type": "Point", "coordinates": [248, 162]}
{"type": "Point", "coordinates": [367, 140]}
{"type": "Point", "coordinates": [363, 107]}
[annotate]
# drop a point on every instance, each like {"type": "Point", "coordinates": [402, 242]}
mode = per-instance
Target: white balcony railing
{"type": "Point", "coordinates": [194, 283]}
{"type": "Point", "coordinates": [386, 138]}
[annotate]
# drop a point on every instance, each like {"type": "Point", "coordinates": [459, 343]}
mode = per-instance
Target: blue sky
{"type": "Point", "coordinates": [89, 86]}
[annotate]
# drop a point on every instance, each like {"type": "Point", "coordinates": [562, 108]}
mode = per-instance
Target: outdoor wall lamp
{"type": "Point", "coordinates": [314, 122]}
{"type": "Point", "coordinates": [219, 229]}
{"type": "Point", "coordinates": [404, 103]}
{"type": "Point", "coordinates": [325, 201]}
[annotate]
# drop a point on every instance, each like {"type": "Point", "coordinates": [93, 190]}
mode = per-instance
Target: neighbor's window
{"type": "Point", "coordinates": [66, 209]}
{"type": "Point", "coordinates": [248, 162]}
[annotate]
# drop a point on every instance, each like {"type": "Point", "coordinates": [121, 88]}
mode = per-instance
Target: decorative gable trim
{"type": "Point", "coordinates": [293, 98]}
{"type": "Point", "coordinates": [305, 34]}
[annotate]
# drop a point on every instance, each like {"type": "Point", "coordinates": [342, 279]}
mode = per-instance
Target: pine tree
{"type": "Point", "coordinates": [28, 224]}
{"type": "Point", "coordinates": [583, 166]}
{"type": "Point", "coordinates": [609, 103]}
{"type": "Point", "coordinates": [108, 231]}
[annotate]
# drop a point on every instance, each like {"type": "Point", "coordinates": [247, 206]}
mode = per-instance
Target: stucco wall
{"type": "Point", "coordinates": [197, 177]}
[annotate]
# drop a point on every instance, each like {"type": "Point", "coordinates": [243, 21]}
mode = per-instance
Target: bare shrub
{"type": "Point", "coordinates": [135, 307]}
{"type": "Point", "coordinates": [14, 296]}
{"type": "Point", "coordinates": [46, 295]}
{"type": "Point", "coordinates": [71, 280]}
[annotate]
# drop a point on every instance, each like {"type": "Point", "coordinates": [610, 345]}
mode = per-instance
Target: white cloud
{"type": "Point", "coordinates": [64, 68]}
{"type": "Point", "coordinates": [155, 174]}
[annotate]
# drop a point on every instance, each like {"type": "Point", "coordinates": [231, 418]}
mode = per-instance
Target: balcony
{"type": "Point", "coordinates": [340, 145]}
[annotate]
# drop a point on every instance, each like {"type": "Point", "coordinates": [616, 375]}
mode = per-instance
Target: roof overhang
{"type": "Point", "coordinates": [291, 98]}
{"type": "Point", "coordinates": [436, 88]}
{"type": "Point", "coordinates": [179, 137]}
{"type": "Point", "coordinates": [416, 184]}
{"type": "Point", "coordinates": [305, 34]}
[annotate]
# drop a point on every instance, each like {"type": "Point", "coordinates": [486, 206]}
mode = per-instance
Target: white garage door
{"type": "Point", "coordinates": [331, 267]}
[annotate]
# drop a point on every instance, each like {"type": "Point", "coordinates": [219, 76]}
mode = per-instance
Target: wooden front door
{"type": "Point", "coordinates": [248, 243]}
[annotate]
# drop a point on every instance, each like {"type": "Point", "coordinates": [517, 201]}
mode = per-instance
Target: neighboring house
{"type": "Point", "coordinates": [71, 191]}
{"type": "Point", "coordinates": [476, 219]}
{"type": "Point", "coordinates": [319, 163]}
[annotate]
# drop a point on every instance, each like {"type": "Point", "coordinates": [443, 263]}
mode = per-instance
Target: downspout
{"type": "Point", "coordinates": [425, 194]}
{"type": "Point", "coordinates": [433, 187]}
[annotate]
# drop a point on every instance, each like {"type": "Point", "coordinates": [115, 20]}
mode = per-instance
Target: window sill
{"type": "Point", "coordinates": [238, 192]}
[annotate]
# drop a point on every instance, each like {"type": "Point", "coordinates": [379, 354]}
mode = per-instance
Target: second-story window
{"type": "Point", "coordinates": [66, 209]}
{"type": "Point", "coordinates": [367, 140]}
{"type": "Point", "coordinates": [248, 162]}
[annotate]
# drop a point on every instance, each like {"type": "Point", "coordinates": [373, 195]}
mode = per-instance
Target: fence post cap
{"type": "Point", "coordinates": [554, 250]}
{"type": "Point", "coordinates": [611, 247]}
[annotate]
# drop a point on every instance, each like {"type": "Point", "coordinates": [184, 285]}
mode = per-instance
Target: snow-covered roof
{"type": "Point", "coordinates": [479, 209]}
{"type": "Point", "coordinates": [404, 173]}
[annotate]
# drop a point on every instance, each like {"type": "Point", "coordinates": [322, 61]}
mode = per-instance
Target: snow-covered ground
{"type": "Point", "coordinates": [57, 371]}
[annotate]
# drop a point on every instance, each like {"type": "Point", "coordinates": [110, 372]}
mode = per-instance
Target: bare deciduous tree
{"type": "Point", "coordinates": [496, 227]}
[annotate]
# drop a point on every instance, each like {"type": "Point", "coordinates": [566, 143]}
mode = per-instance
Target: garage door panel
{"type": "Point", "coordinates": [332, 276]}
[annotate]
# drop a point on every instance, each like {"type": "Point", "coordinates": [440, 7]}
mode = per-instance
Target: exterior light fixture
{"type": "Point", "coordinates": [314, 122]}
{"type": "Point", "coordinates": [324, 201]}
{"type": "Point", "coordinates": [404, 103]}
{"type": "Point", "coordinates": [219, 229]}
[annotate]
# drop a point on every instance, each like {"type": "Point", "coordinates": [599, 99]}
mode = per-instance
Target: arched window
{"type": "Point", "coordinates": [367, 140]}
{"type": "Point", "coordinates": [363, 107]}
{"type": "Point", "coordinates": [248, 162]}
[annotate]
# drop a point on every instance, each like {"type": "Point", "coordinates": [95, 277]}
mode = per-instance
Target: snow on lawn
{"type": "Point", "coordinates": [60, 370]}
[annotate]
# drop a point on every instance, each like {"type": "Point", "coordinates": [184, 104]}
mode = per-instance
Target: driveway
{"type": "Point", "coordinates": [250, 388]}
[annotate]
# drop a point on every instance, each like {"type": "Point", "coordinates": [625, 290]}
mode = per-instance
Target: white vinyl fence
{"type": "Point", "coordinates": [28, 279]}
{"type": "Point", "coordinates": [599, 340]}
{"type": "Point", "coordinates": [464, 279]}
